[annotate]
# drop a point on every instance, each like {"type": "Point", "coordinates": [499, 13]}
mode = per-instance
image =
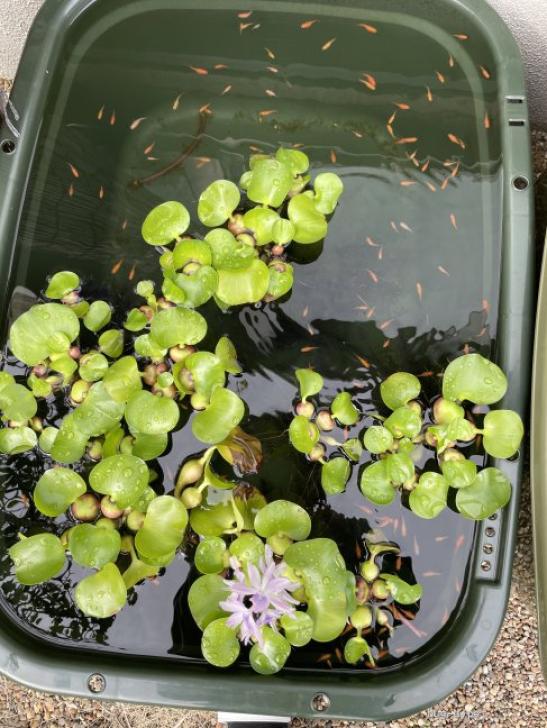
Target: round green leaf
{"type": "Point", "coordinates": [204, 597]}
{"type": "Point", "coordinates": [310, 382]}
{"type": "Point", "coordinates": [92, 366]}
{"type": "Point", "coordinates": [353, 449]}
{"type": "Point", "coordinates": [502, 433]}
{"type": "Point", "coordinates": [98, 413]}
{"type": "Point", "coordinates": [219, 644]}
{"type": "Point", "coordinates": [334, 475]}
{"type": "Point", "coordinates": [283, 231]}
{"type": "Point", "coordinates": [402, 592]}
{"type": "Point", "coordinates": [149, 414]}
{"type": "Point", "coordinates": [163, 529]}
{"type": "Point", "coordinates": [399, 389]}
{"type": "Point", "coordinates": [70, 442]}
{"type": "Point", "coordinates": [177, 326]}
{"type": "Point", "coordinates": [261, 221]}
{"type": "Point", "coordinates": [213, 519]}
{"type": "Point", "coordinates": [459, 473]}
{"type": "Point", "coordinates": [377, 439]}
{"type": "Point", "coordinates": [399, 468]}
{"type": "Point", "coordinates": [32, 334]}
{"type": "Point", "coordinates": [146, 346]}
{"type": "Point", "coordinates": [296, 160]}
{"type": "Point", "coordinates": [165, 223]}
{"type": "Point", "coordinates": [310, 225]}
{"type": "Point", "coordinates": [15, 440]}
{"type": "Point", "coordinates": [376, 484]}
{"type": "Point", "coordinates": [489, 492]}
{"type": "Point", "coordinates": [103, 594]}
{"type": "Point", "coordinates": [111, 343]}
{"type": "Point", "coordinates": [214, 424]}
{"type": "Point", "coordinates": [283, 518]}
{"type": "Point", "coordinates": [122, 379]}
{"type": "Point", "coordinates": [272, 655]}
{"type": "Point", "coordinates": [47, 438]}
{"type": "Point", "coordinates": [428, 498]}
{"type": "Point", "coordinates": [190, 251]}
{"type": "Point", "coordinates": [93, 546]}
{"type": "Point", "coordinates": [270, 182]}
{"type": "Point", "coordinates": [445, 411]}
{"type": "Point", "coordinates": [404, 422]}
{"type": "Point", "coordinates": [474, 378]}
{"type": "Point", "coordinates": [197, 286]}
{"type": "Point", "coordinates": [328, 188]}
{"type": "Point", "coordinates": [343, 409]}
{"type": "Point", "coordinates": [281, 279]}
{"type": "Point", "coordinates": [303, 434]}
{"type": "Point", "coordinates": [227, 354]}
{"type": "Point", "coordinates": [298, 628]}
{"type": "Point", "coordinates": [37, 558]}
{"type": "Point", "coordinates": [355, 649]}
{"type": "Point", "coordinates": [136, 320]}
{"type": "Point", "coordinates": [210, 556]}
{"type": "Point", "coordinates": [149, 447]}
{"type": "Point", "coordinates": [236, 287]}
{"type": "Point", "coordinates": [460, 429]}
{"type": "Point", "coordinates": [247, 548]}
{"type": "Point", "coordinates": [98, 316]}
{"type": "Point", "coordinates": [207, 372]}
{"type": "Point", "coordinates": [17, 402]}
{"type": "Point", "coordinates": [229, 253]}
{"type": "Point", "coordinates": [123, 477]}
{"type": "Point", "coordinates": [217, 202]}
{"type": "Point", "coordinates": [61, 284]}
{"type": "Point", "coordinates": [56, 490]}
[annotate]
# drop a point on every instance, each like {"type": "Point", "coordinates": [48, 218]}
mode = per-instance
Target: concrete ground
{"type": "Point", "coordinates": [507, 691]}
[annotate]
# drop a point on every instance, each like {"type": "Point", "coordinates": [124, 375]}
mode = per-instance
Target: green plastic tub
{"type": "Point", "coordinates": [420, 107]}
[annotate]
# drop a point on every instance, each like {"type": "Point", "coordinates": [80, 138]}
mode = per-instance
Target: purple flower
{"type": "Point", "coordinates": [258, 598]}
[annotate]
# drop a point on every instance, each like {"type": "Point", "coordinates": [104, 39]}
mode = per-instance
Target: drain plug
{"type": "Point", "coordinates": [96, 682]}
{"type": "Point", "coordinates": [320, 702]}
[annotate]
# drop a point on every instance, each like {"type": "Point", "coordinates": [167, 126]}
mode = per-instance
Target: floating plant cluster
{"type": "Point", "coordinates": [265, 585]}
{"type": "Point", "coordinates": [398, 440]}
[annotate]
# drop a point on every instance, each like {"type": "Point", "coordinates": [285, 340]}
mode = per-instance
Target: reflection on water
{"type": "Point", "coordinates": [406, 279]}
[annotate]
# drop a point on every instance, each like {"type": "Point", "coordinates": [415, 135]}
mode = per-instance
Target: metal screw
{"type": "Point", "coordinates": [96, 682]}
{"type": "Point", "coordinates": [490, 532]}
{"type": "Point", "coordinates": [320, 702]}
{"type": "Point", "coordinates": [487, 548]}
{"type": "Point", "coordinates": [493, 517]}
{"type": "Point", "coordinates": [486, 565]}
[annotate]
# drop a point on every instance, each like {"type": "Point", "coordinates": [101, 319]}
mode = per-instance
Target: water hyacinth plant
{"type": "Point", "coordinates": [127, 380]}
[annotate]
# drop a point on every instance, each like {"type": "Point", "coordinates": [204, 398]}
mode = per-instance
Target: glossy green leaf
{"type": "Point", "coordinates": [355, 649]}
{"type": "Point", "coordinates": [17, 402]}
{"type": "Point", "coordinates": [377, 439]}
{"type": "Point", "coordinates": [211, 555]}
{"type": "Point", "coordinates": [149, 447]}
{"type": "Point", "coordinates": [64, 364]}
{"type": "Point", "coordinates": [318, 564]}
{"type": "Point", "coordinates": [335, 475]}
{"type": "Point", "coordinates": [39, 387]}
{"type": "Point", "coordinates": [37, 558]}
{"type": "Point", "coordinates": [93, 546]}
{"type": "Point", "coordinates": [146, 346]}
{"type": "Point", "coordinates": [98, 316]}
{"type": "Point", "coordinates": [460, 429]}
{"type": "Point", "coordinates": [149, 414]}
{"type": "Point", "coordinates": [474, 378]}
{"type": "Point", "coordinates": [122, 477]}
{"type": "Point", "coordinates": [283, 231]}
{"type": "Point", "coordinates": [62, 283]}
{"type": "Point", "coordinates": [459, 473]}
{"type": "Point", "coordinates": [502, 433]}
{"type": "Point", "coordinates": [445, 411]}
{"type": "Point", "coordinates": [353, 449]}
{"type": "Point", "coordinates": [399, 389]}
{"type": "Point", "coordinates": [236, 287]}
{"type": "Point", "coordinates": [281, 280]}
{"type": "Point", "coordinates": [204, 597]}
{"type": "Point", "coordinates": [428, 499]}
{"type": "Point", "coordinates": [247, 549]}
{"type": "Point", "coordinates": [296, 160]}
{"type": "Point", "coordinates": [283, 518]}
{"type": "Point", "coordinates": [47, 438]}
{"type": "Point", "coordinates": [163, 530]}
{"type": "Point", "coordinates": [219, 644]}
{"type": "Point", "coordinates": [402, 592]}
{"type": "Point", "coordinates": [303, 434]}
{"type": "Point", "coordinates": [271, 656]}
{"type": "Point", "coordinates": [298, 628]}
{"type": "Point", "coordinates": [15, 440]}
{"type": "Point", "coordinates": [328, 188]}
{"type": "Point", "coordinates": [197, 286]}
{"type": "Point", "coordinates": [123, 379]}
{"type": "Point", "coordinates": [165, 223]}
{"type": "Point", "coordinates": [376, 484]}
{"type": "Point", "coordinates": [136, 320]}
{"type": "Point", "coordinates": [103, 594]}
{"type": "Point", "coordinates": [226, 352]}
{"type": "Point", "coordinates": [177, 327]}
{"type": "Point", "coordinates": [145, 288]}
{"type": "Point", "coordinates": [190, 251]}
{"type": "Point", "coordinates": [56, 490]}
{"type": "Point", "coordinates": [404, 422]}
{"type": "Point", "coordinates": [111, 343]}
{"type": "Point", "coordinates": [70, 442]}
{"type": "Point", "coordinates": [229, 253]}
{"type": "Point", "coordinates": [92, 367]}
{"type": "Point", "coordinates": [217, 202]}
{"type": "Point", "coordinates": [261, 221]}
{"type": "Point", "coordinates": [99, 412]}
{"type": "Point", "coordinates": [310, 225]}
{"type": "Point", "coordinates": [31, 334]}
{"type": "Point", "coordinates": [207, 372]}
{"type": "Point", "coordinates": [489, 492]}
{"type": "Point", "coordinates": [310, 382]}
{"type": "Point", "coordinates": [399, 468]}
{"type": "Point", "coordinates": [270, 182]}
{"type": "Point", "coordinates": [214, 424]}
{"type": "Point", "coordinates": [213, 519]}
{"type": "Point", "coordinates": [343, 409]}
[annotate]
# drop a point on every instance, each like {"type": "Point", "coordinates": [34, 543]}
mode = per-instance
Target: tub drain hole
{"type": "Point", "coordinates": [7, 146]}
{"type": "Point", "coordinates": [520, 183]}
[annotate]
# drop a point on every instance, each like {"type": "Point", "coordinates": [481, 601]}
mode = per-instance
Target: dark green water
{"type": "Point", "coordinates": [406, 279]}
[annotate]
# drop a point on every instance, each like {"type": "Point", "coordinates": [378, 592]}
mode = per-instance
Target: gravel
{"type": "Point", "coordinates": [506, 691]}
